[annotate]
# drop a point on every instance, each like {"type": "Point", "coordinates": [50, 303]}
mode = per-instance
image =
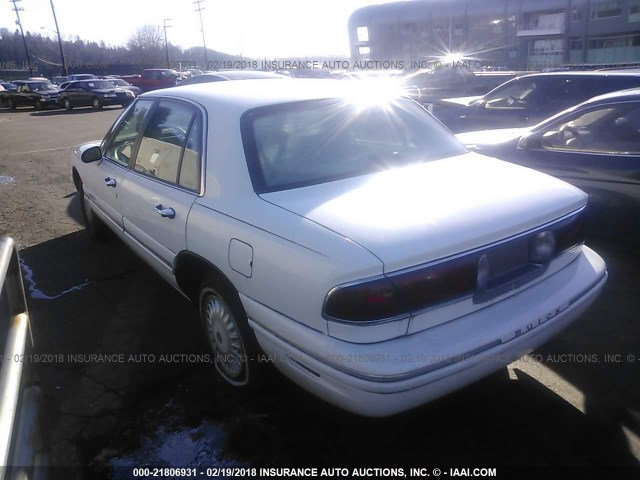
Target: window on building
{"type": "Point", "coordinates": [364, 51]}
{"type": "Point", "coordinates": [363, 34]}
{"type": "Point", "coordinates": [634, 10]}
{"type": "Point", "coordinates": [576, 14]}
{"type": "Point", "coordinates": [575, 44]}
{"type": "Point", "coordinates": [610, 8]}
{"type": "Point", "coordinates": [623, 48]}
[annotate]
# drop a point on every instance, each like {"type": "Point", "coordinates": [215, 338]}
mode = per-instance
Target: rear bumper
{"type": "Point", "coordinates": [392, 376]}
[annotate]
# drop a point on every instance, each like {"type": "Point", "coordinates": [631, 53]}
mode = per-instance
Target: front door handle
{"type": "Point", "coordinates": [165, 212]}
{"type": "Point", "coordinates": [110, 182]}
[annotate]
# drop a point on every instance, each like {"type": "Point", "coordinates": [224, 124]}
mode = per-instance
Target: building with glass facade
{"type": "Point", "coordinates": [516, 34]}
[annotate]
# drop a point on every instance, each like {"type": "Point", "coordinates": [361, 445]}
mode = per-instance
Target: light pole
{"type": "Point", "coordinates": [24, 41]}
{"type": "Point", "coordinates": [55, 19]}
{"type": "Point", "coordinates": [166, 44]}
{"type": "Point", "coordinates": [204, 44]}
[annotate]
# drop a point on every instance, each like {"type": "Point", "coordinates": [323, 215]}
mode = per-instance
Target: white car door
{"type": "Point", "coordinates": [164, 180]}
{"type": "Point", "coordinates": [104, 180]}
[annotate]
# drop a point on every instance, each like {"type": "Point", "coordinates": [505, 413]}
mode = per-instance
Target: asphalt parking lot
{"type": "Point", "coordinates": [121, 359]}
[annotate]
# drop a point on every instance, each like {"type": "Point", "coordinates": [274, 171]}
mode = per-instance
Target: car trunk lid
{"type": "Point", "coordinates": [423, 212]}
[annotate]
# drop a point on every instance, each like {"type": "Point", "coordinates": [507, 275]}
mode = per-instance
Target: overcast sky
{"type": "Point", "coordinates": [255, 28]}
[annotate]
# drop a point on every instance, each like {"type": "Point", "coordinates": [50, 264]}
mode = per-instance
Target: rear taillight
{"type": "Point", "coordinates": [483, 274]}
{"type": "Point", "coordinates": [367, 301]}
{"type": "Point", "coordinates": [572, 231]}
{"type": "Point", "coordinates": [399, 294]}
{"type": "Point", "coordinates": [427, 286]}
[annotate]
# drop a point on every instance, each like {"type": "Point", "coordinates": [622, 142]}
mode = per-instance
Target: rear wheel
{"type": "Point", "coordinates": [231, 340]}
{"type": "Point", "coordinates": [11, 104]}
{"type": "Point", "coordinates": [96, 103]}
{"type": "Point", "coordinates": [67, 105]}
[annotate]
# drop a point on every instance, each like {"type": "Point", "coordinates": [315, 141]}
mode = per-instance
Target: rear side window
{"type": "Point", "coordinates": [171, 146]}
{"type": "Point", "coordinates": [562, 93]}
{"type": "Point", "coordinates": [613, 83]}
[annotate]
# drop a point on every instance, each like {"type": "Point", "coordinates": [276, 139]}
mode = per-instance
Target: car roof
{"type": "Point", "coordinates": [249, 94]}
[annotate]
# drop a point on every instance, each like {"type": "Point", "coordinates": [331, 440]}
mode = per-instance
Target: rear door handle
{"type": "Point", "coordinates": [110, 182]}
{"type": "Point", "coordinates": [165, 212]}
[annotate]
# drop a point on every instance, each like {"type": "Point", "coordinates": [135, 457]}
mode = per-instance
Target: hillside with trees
{"type": "Point", "coordinates": [144, 49]}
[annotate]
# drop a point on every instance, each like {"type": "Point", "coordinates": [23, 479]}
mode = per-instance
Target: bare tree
{"type": "Point", "coordinates": [147, 44]}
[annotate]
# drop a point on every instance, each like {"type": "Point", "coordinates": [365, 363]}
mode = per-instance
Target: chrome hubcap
{"type": "Point", "coordinates": [225, 340]}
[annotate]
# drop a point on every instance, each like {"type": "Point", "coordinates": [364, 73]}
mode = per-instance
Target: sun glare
{"type": "Point", "coordinates": [381, 91]}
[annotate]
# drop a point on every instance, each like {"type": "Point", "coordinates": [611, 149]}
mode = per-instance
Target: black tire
{"type": "Point", "coordinates": [11, 104]}
{"type": "Point", "coordinates": [231, 341]}
{"type": "Point", "coordinates": [94, 227]}
{"type": "Point", "coordinates": [96, 103]}
{"type": "Point", "coordinates": [37, 106]}
{"type": "Point", "coordinates": [67, 105]}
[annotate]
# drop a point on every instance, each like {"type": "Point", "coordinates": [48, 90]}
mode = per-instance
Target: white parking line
{"type": "Point", "coordinates": [45, 150]}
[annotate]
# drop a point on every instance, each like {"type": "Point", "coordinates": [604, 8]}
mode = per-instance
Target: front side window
{"type": "Point", "coordinates": [121, 142]}
{"type": "Point", "coordinates": [170, 148]}
{"type": "Point", "coordinates": [312, 142]}
{"type": "Point", "coordinates": [612, 129]}
{"type": "Point", "coordinates": [516, 95]}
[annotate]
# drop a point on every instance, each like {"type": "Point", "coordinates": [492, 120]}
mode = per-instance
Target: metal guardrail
{"type": "Point", "coordinates": [21, 438]}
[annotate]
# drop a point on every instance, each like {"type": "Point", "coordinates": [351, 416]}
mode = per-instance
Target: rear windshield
{"type": "Point", "coordinates": [311, 142]}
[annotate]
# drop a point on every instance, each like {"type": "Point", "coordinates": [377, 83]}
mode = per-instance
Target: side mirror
{"type": "Point", "coordinates": [530, 141]}
{"type": "Point", "coordinates": [92, 154]}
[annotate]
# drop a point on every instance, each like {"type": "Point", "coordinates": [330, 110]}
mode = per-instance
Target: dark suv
{"type": "Point", "coordinates": [527, 100]}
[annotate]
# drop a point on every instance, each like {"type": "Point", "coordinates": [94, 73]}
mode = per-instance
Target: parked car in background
{"type": "Point", "coordinates": [64, 85]}
{"type": "Point", "coordinates": [189, 72]}
{"type": "Point", "coordinates": [94, 93]}
{"type": "Point", "coordinates": [24, 446]}
{"type": "Point", "coordinates": [118, 82]}
{"type": "Point", "coordinates": [595, 146]}
{"type": "Point", "coordinates": [58, 80]}
{"type": "Point", "coordinates": [230, 75]}
{"type": "Point", "coordinates": [9, 86]}
{"type": "Point", "coordinates": [450, 80]}
{"type": "Point", "coordinates": [81, 76]}
{"type": "Point", "coordinates": [153, 79]}
{"type": "Point", "coordinates": [4, 92]}
{"type": "Point", "coordinates": [34, 93]}
{"type": "Point", "coordinates": [348, 236]}
{"type": "Point", "coordinates": [529, 99]}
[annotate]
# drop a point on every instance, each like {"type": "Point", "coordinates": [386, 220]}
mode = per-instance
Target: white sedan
{"type": "Point", "coordinates": [341, 233]}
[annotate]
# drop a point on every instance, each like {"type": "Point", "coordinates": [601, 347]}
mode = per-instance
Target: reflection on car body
{"type": "Point", "coordinates": [23, 442]}
{"type": "Point", "coordinates": [340, 232]}
{"type": "Point", "coordinates": [529, 99]}
{"type": "Point", "coordinates": [595, 146]}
